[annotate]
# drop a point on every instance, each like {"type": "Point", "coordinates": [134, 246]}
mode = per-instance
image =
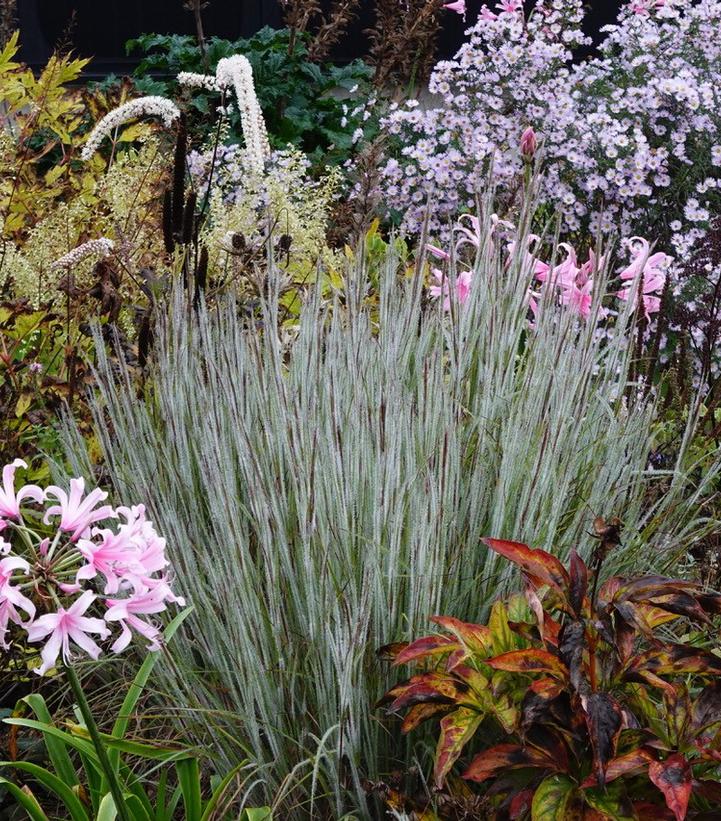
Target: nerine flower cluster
{"type": "Point", "coordinates": [624, 135]}
{"type": "Point", "coordinates": [571, 281]}
{"type": "Point", "coordinates": [75, 572]}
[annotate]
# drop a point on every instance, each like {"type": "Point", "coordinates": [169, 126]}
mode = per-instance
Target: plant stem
{"type": "Point", "coordinates": [92, 728]}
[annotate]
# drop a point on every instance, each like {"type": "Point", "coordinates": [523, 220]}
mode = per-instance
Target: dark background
{"type": "Point", "coordinates": [100, 28]}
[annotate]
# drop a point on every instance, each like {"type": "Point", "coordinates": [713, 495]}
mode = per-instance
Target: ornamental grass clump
{"type": "Point", "coordinates": [328, 489]}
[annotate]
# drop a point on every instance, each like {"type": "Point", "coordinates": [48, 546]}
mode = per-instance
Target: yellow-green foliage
{"type": "Point", "coordinates": [284, 201]}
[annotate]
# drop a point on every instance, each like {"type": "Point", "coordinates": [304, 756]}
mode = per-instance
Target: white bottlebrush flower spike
{"type": "Point", "coordinates": [154, 106]}
{"type": "Point", "coordinates": [193, 80]}
{"type": "Point", "coordinates": [95, 247]}
{"type": "Point", "coordinates": [237, 73]}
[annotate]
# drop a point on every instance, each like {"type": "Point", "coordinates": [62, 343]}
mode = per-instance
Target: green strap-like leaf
{"type": "Point", "coordinates": [552, 798]}
{"type": "Point", "coordinates": [219, 791]}
{"type": "Point", "coordinates": [107, 810]}
{"type": "Point", "coordinates": [258, 814]}
{"type": "Point", "coordinates": [79, 744]}
{"type": "Point", "coordinates": [53, 783]}
{"type": "Point", "coordinates": [26, 800]}
{"type": "Point", "coordinates": [135, 690]}
{"type": "Point", "coordinates": [189, 782]}
{"type": "Point", "coordinates": [56, 748]}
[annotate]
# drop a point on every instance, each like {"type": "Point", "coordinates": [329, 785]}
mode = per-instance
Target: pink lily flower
{"type": "Point", "coordinates": [77, 514]}
{"type": "Point", "coordinates": [11, 598]}
{"type": "Point", "coordinates": [63, 626]}
{"type": "Point", "coordinates": [9, 500]}
{"type": "Point", "coordinates": [579, 298]}
{"type": "Point", "coordinates": [459, 6]}
{"type": "Point", "coordinates": [510, 6]}
{"type": "Point", "coordinates": [487, 14]}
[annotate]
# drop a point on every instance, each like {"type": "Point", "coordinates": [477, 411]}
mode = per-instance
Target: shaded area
{"type": "Point", "coordinates": [101, 29]}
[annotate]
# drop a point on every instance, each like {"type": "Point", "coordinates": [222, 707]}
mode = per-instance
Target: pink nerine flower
{"type": "Point", "coordinates": [459, 6]}
{"type": "Point", "coordinates": [9, 500]}
{"type": "Point", "coordinates": [63, 626]}
{"type": "Point", "coordinates": [110, 558]}
{"type": "Point", "coordinates": [510, 6]}
{"type": "Point", "coordinates": [463, 287]}
{"type": "Point", "coordinates": [646, 273]}
{"type": "Point", "coordinates": [127, 613]}
{"type": "Point", "coordinates": [11, 598]}
{"type": "Point", "coordinates": [77, 514]}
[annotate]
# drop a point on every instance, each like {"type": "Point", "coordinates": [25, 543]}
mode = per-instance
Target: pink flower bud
{"type": "Point", "coordinates": [529, 143]}
{"type": "Point", "coordinates": [459, 6]}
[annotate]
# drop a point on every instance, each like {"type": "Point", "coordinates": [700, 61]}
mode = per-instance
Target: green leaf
{"type": "Point", "coordinates": [552, 798]}
{"type": "Point", "coordinates": [81, 745]}
{"type": "Point", "coordinates": [26, 800]}
{"type": "Point", "coordinates": [189, 781]}
{"type": "Point", "coordinates": [219, 791]}
{"type": "Point", "coordinates": [107, 810]}
{"type": "Point", "coordinates": [57, 751]}
{"type": "Point", "coordinates": [611, 801]}
{"type": "Point", "coordinates": [257, 814]}
{"type": "Point", "coordinates": [135, 690]}
{"type": "Point", "coordinates": [457, 729]}
{"type": "Point", "coordinates": [55, 784]}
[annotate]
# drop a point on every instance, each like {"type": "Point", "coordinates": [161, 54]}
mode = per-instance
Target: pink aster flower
{"type": "Point", "coordinates": [77, 514]}
{"type": "Point", "coordinates": [64, 626]}
{"type": "Point", "coordinates": [459, 6]}
{"type": "Point", "coordinates": [9, 500]}
{"type": "Point", "coordinates": [11, 597]}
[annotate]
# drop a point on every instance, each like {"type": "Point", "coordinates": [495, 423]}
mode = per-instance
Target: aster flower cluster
{"type": "Point", "coordinates": [623, 135]}
{"type": "Point", "coordinates": [152, 106]}
{"type": "Point", "coordinates": [68, 580]}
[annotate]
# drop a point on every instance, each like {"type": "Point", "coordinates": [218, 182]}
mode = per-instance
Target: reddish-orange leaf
{"type": "Point", "coordinates": [529, 661]}
{"type": "Point", "coordinates": [420, 713]}
{"type": "Point", "coordinates": [457, 729]}
{"type": "Point", "coordinates": [476, 637]}
{"type": "Point", "coordinates": [427, 646]}
{"type": "Point", "coordinates": [435, 688]}
{"type": "Point", "coordinates": [536, 563]}
{"type": "Point", "coordinates": [507, 757]}
{"type": "Point", "coordinates": [520, 804]}
{"type": "Point", "coordinates": [632, 763]}
{"type": "Point", "coordinates": [673, 778]}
